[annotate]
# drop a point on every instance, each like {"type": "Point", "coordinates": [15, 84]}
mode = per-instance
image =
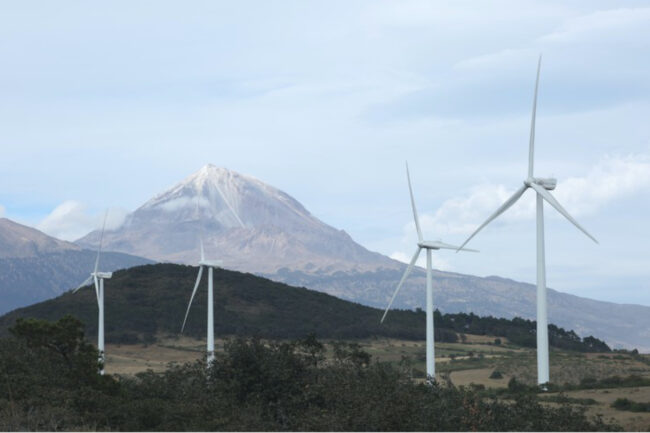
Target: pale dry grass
{"type": "Point", "coordinates": [572, 367]}
{"type": "Point", "coordinates": [132, 359]}
{"type": "Point", "coordinates": [630, 421]}
{"type": "Point", "coordinates": [484, 339]}
{"type": "Point", "coordinates": [479, 376]}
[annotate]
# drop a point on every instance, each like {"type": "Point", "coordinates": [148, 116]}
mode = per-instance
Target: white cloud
{"type": "Point", "coordinates": [400, 257]}
{"type": "Point", "coordinates": [2, 211]}
{"type": "Point", "coordinates": [612, 178]}
{"type": "Point", "coordinates": [595, 25]}
{"type": "Point", "coordinates": [71, 220]}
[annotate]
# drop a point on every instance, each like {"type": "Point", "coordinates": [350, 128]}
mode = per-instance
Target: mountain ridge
{"type": "Point", "coordinates": [35, 266]}
{"type": "Point", "coordinates": [18, 240]}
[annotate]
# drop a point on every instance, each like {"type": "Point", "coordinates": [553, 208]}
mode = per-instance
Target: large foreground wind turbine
{"type": "Point", "coordinates": [429, 246]}
{"type": "Point", "coordinates": [98, 279]}
{"type": "Point", "coordinates": [541, 186]}
{"type": "Point", "coordinates": [211, 265]}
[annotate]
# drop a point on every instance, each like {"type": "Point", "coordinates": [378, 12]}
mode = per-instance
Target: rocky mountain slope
{"type": "Point", "coordinates": [19, 241]}
{"type": "Point", "coordinates": [620, 325]}
{"type": "Point", "coordinates": [35, 266]}
{"type": "Point", "coordinates": [256, 228]}
{"type": "Point", "coordinates": [249, 225]}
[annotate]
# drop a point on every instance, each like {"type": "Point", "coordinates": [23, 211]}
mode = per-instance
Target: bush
{"type": "Point", "coordinates": [629, 405]}
{"type": "Point", "coordinates": [496, 374]}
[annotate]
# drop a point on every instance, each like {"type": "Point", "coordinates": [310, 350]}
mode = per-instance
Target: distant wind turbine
{"type": "Point", "coordinates": [98, 279]}
{"type": "Point", "coordinates": [429, 246]}
{"type": "Point", "coordinates": [542, 186]}
{"type": "Point", "coordinates": [211, 265]}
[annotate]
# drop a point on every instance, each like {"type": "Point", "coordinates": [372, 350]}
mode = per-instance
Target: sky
{"type": "Point", "coordinates": [105, 105]}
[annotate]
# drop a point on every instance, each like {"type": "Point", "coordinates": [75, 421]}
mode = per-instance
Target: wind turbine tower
{"type": "Point", "coordinates": [428, 246]}
{"type": "Point", "coordinates": [541, 186]}
{"type": "Point", "coordinates": [98, 279]}
{"type": "Point", "coordinates": [210, 265]}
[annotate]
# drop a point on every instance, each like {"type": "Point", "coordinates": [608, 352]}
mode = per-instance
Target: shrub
{"type": "Point", "coordinates": [629, 405]}
{"type": "Point", "coordinates": [496, 374]}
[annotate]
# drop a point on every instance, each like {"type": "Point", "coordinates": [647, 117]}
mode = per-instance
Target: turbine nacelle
{"type": "Point", "coordinates": [102, 275]}
{"type": "Point", "coordinates": [548, 183]}
{"type": "Point", "coordinates": [436, 245]}
{"type": "Point", "coordinates": [429, 245]}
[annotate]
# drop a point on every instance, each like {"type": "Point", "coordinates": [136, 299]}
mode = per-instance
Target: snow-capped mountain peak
{"type": "Point", "coordinates": [251, 225]}
{"type": "Point", "coordinates": [229, 199]}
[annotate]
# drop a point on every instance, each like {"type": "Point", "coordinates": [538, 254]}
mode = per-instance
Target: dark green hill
{"type": "Point", "coordinates": [147, 300]}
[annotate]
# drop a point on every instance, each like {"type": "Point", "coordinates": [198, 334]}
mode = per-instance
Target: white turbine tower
{"type": "Point", "coordinates": [541, 186]}
{"type": "Point", "coordinates": [211, 265]}
{"type": "Point", "coordinates": [98, 279]}
{"type": "Point", "coordinates": [429, 246]}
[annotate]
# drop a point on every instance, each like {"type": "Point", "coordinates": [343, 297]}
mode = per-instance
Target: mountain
{"type": "Point", "coordinates": [620, 325]}
{"type": "Point", "coordinates": [277, 230]}
{"type": "Point", "coordinates": [35, 266]}
{"type": "Point", "coordinates": [279, 239]}
{"type": "Point", "coordinates": [150, 300]}
{"type": "Point", "coordinates": [19, 241]}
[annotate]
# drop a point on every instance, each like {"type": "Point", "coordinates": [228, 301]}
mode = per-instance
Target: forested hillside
{"type": "Point", "coordinates": [149, 300]}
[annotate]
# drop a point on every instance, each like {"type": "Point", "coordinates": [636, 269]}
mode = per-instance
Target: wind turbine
{"type": "Point", "coordinates": [429, 246]}
{"type": "Point", "coordinates": [211, 265]}
{"type": "Point", "coordinates": [98, 279]}
{"type": "Point", "coordinates": [541, 186]}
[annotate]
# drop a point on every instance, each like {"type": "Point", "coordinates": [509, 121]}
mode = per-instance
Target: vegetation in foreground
{"type": "Point", "coordinates": [48, 381]}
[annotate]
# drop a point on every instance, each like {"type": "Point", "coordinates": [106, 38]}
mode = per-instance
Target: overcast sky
{"type": "Point", "coordinates": [105, 105]}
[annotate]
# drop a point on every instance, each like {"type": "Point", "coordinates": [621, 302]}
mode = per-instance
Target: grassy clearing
{"type": "Point", "coordinates": [631, 421]}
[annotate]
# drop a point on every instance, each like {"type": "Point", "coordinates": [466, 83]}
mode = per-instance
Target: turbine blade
{"type": "Point", "coordinates": [399, 286]}
{"type": "Point", "coordinates": [498, 212]}
{"type": "Point", "coordinates": [446, 246]}
{"type": "Point", "coordinates": [96, 287]}
{"type": "Point", "coordinates": [553, 202]}
{"type": "Point", "coordinates": [84, 284]}
{"type": "Point", "coordinates": [101, 239]}
{"type": "Point", "coordinates": [531, 145]}
{"type": "Point", "coordinates": [196, 286]}
{"type": "Point", "coordinates": [415, 212]}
